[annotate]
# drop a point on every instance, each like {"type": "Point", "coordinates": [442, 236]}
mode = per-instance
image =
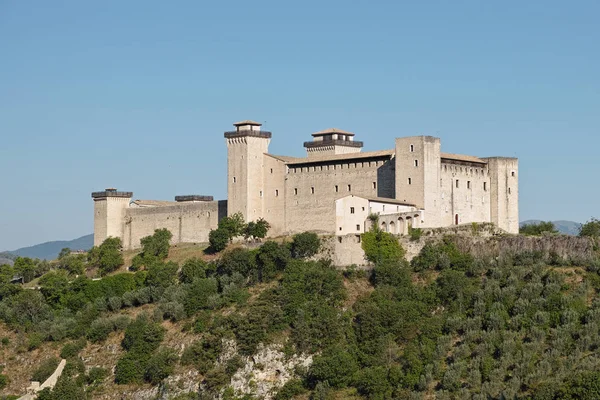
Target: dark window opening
{"type": "Point", "coordinates": [295, 191]}
{"type": "Point", "coordinates": [351, 210]}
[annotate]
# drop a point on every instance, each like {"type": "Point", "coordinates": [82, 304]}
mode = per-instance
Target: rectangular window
{"type": "Point", "coordinates": [271, 170]}
{"type": "Point", "coordinates": [276, 192]}
{"type": "Point", "coordinates": [512, 173]}
{"type": "Point", "coordinates": [412, 148]}
{"type": "Point", "coordinates": [295, 191]}
{"type": "Point", "coordinates": [383, 208]}
{"type": "Point", "coordinates": [416, 163]}
{"type": "Point", "coordinates": [349, 188]}
{"type": "Point", "coordinates": [485, 186]}
{"type": "Point", "coordinates": [468, 184]}
{"type": "Point", "coordinates": [358, 227]}
{"type": "Point", "coordinates": [457, 183]}
{"type": "Point", "coordinates": [261, 193]}
{"type": "Point", "coordinates": [410, 181]}
{"type": "Point", "coordinates": [363, 209]}
{"type": "Point", "coordinates": [374, 185]}
{"type": "Point", "coordinates": [351, 210]}
{"type": "Point", "coordinates": [336, 188]}
{"type": "Point", "coordinates": [234, 179]}
{"type": "Point", "coordinates": [508, 190]}
{"type": "Point", "coordinates": [312, 190]}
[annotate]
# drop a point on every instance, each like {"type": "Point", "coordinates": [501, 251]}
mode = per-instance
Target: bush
{"type": "Point", "coordinates": [218, 240]}
{"type": "Point", "coordinates": [232, 225]}
{"type": "Point", "coordinates": [336, 367]}
{"type": "Point", "coordinates": [203, 353]}
{"type": "Point", "coordinates": [96, 375]}
{"type": "Point", "coordinates": [71, 350]}
{"type": "Point", "coordinates": [130, 368]}
{"type": "Point", "coordinates": [3, 381]}
{"type": "Point", "coordinates": [590, 229]}
{"type": "Point", "coordinates": [257, 230]}
{"type": "Point", "coordinates": [291, 388]}
{"type": "Point", "coordinates": [160, 365]}
{"type": "Point", "coordinates": [191, 269]}
{"type": "Point", "coordinates": [305, 245]}
{"type": "Point", "coordinates": [154, 248]}
{"type": "Point", "coordinates": [381, 247]}
{"type": "Point", "coordinates": [107, 257]}
{"type": "Point", "coordinates": [46, 368]}
{"type": "Point", "coordinates": [536, 229]}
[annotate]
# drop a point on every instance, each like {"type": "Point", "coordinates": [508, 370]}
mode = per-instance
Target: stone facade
{"type": "Point", "coordinates": [413, 184]}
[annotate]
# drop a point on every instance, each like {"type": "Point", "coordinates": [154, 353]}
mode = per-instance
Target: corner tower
{"type": "Point", "coordinates": [109, 214]}
{"type": "Point", "coordinates": [246, 147]}
{"type": "Point", "coordinates": [332, 141]}
{"type": "Point", "coordinates": [504, 192]}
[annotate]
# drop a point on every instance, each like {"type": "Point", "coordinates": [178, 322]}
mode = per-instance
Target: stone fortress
{"type": "Point", "coordinates": [331, 191]}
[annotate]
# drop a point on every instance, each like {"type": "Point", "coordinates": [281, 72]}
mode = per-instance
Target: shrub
{"type": "Point", "coordinates": [305, 245]}
{"type": "Point", "coordinates": [154, 247]}
{"type": "Point", "coordinates": [160, 365]}
{"type": "Point", "coordinates": [71, 350]}
{"type": "Point", "coordinates": [218, 240]}
{"type": "Point", "coordinates": [536, 229]}
{"type": "Point", "coordinates": [96, 375]}
{"type": "Point", "coordinates": [161, 274]}
{"type": "Point", "coordinates": [191, 269]}
{"type": "Point", "coordinates": [381, 247]}
{"type": "Point", "coordinates": [232, 225]}
{"type": "Point", "coordinates": [3, 381]}
{"type": "Point", "coordinates": [415, 233]}
{"type": "Point", "coordinates": [291, 388]}
{"type": "Point", "coordinates": [142, 335]}
{"type": "Point", "coordinates": [130, 369]}
{"type": "Point", "coordinates": [203, 353]}
{"type": "Point", "coordinates": [45, 369]}
{"type": "Point", "coordinates": [107, 257]}
{"type": "Point", "coordinates": [336, 367]}
{"type": "Point", "coordinates": [257, 230]}
{"type": "Point", "coordinates": [198, 295]}
{"type": "Point", "coordinates": [590, 229]}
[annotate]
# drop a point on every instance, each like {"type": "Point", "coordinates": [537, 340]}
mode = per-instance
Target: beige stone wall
{"type": "Point", "coordinates": [274, 194]}
{"type": "Point", "coordinates": [504, 183]}
{"type": "Point", "coordinates": [188, 222]}
{"type": "Point", "coordinates": [351, 214]}
{"type": "Point", "coordinates": [310, 190]}
{"type": "Point", "coordinates": [330, 150]}
{"type": "Point", "coordinates": [418, 174]}
{"type": "Point", "coordinates": [109, 213]}
{"type": "Point", "coordinates": [245, 175]}
{"type": "Point", "coordinates": [470, 200]}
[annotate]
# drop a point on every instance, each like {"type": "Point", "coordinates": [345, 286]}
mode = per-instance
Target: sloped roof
{"type": "Point", "coordinates": [332, 130]}
{"type": "Point", "coordinates": [247, 122]}
{"type": "Point", "coordinates": [462, 157]}
{"type": "Point", "coordinates": [334, 157]}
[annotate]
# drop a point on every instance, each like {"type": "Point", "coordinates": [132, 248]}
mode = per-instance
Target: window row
{"type": "Point", "coordinates": [331, 167]}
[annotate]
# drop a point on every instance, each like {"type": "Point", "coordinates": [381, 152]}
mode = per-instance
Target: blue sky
{"type": "Point", "coordinates": [136, 94]}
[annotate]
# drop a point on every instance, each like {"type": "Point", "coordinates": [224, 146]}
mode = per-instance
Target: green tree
{"type": "Point", "coordinates": [64, 252]}
{"type": "Point", "coordinates": [380, 246]}
{"type": "Point", "coordinates": [160, 365]}
{"type": "Point", "coordinates": [107, 257]}
{"type": "Point", "coordinates": [336, 367]}
{"type": "Point", "coordinates": [233, 225]}
{"type": "Point", "coordinates": [26, 267]}
{"type": "Point", "coordinates": [257, 230]}
{"type": "Point", "coordinates": [590, 229]}
{"type": "Point", "coordinates": [305, 245]}
{"type": "Point", "coordinates": [218, 240]}
{"type": "Point", "coordinates": [154, 247]}
{"type": "Point", "coordinates": [161, 274]}
{"type": "Point", "coordinates": [536, 229]}
{"type": "Point", "coordinates": [191, 269]}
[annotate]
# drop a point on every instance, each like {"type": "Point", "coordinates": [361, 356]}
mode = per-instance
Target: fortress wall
{"type": "Point", "coordinates": [189, 222]}
{"type": "Point", "coordinates": [504, 175]}
{"type": "Point", "coordinates": [306, 210]}
{"type": "Point", "coordinates": [274, 194]}
{"type": "Point", "coordinates": [470, 200]}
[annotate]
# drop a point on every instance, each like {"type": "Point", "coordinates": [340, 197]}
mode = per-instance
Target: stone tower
{"type": "Point", "coordinates": [504, 192]}
{"type": "Point", "coordinates": [332, 141]}
{"type": "Point", "coordinates": [109, 214]}
{"type": "Point", "coordinates": [246, 147]}
{"type": "Point", "coordinates": [418, 174]}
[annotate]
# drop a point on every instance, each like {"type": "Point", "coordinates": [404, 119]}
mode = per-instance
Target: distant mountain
{"type": "Point", "coordinates": [565, 227]}
{"type": "Point", "coordinates": [50, 250]}
{"type": "Point", "coordinates": [7, 258]}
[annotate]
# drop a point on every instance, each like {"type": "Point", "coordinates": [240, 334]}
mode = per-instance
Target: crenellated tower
{"type": "Point", "coordinates": [110, 206]}
{"type": "Point", "coordinates": [246, 147]}
{"type": "Point", "coordinates": [332, 141]}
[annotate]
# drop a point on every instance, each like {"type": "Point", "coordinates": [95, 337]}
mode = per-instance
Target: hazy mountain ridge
{"type": "Point", "coordinates": [50, 250]}
{"type": "Point", "coordinates": [565, 227]}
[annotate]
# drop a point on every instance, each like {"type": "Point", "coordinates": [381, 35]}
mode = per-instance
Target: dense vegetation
{"type": "Point", "coordinates": [446, 324]}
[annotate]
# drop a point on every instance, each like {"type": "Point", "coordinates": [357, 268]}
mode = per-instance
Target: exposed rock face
{"type": "Point", "coordinates": [267, 371]}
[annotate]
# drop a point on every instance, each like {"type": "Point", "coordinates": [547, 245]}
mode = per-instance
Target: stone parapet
{"type": "Point", "coordinates": [247, 133]}
{"type": "Point", "coordinates": [193, 197]}
{"type": "Point", "coordinates": [111, 193]}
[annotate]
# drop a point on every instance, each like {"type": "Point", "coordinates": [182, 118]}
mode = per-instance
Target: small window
{"type": "Point", "coordinates": [234, 179]}
{"type": "Point", "coordinates": [276, 192]}
{"type": "Point", "coordinates": [358, 227]}
{"type": "Point", "coordinates": [339, 237]}
{"type": "Point", "coordinates": [271, 170]}
{"type": "Point", "coordinates": [512, 173]}
{"type": "Point", "coordinates": [261, 193]}
{"type": "Point", "coordinates": [374, 185]}
{"type": "Point", "coordinates": [384, 207]}
{"type": "Point", "coordinates": [457, 184]}
{"type": "Point", "coordinates": [349, 188]}
{"type": "Point", "coordinates": [416, 163]}
{"type": "Point", "coordinates": [485, 186]}
{"type": "Point", "coordinates": [340, 230]}
{"type": "Point", "coordinates": [412, 148]}
{"type": "Point", "coordinates": [336, 188]}
{"type": "Point", "coordinates": [508, 190]}
{"type": "Point", "coordinates": [363, 209]}
{"type": "Point", "coordinates": [312, 190]}
{"type": "Point", "coordinates": [295, 191]}
{"type": "Point", "coordinates": [410, 181]}
{"type": "Point", "coordinates": [468, 184]}
{"type": "Point", "coordinates": [358, 238]}
{"type": "Point", "coordinates": [351, 210]}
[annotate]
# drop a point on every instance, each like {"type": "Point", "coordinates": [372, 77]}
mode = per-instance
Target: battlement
{"type": "Point", "coordinates": [111, 193]}
{"type": "Point", "coordinates": [193, 197]}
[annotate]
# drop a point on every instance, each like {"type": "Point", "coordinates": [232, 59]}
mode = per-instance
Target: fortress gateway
{"type": "Point", "coordinates": [332, 190]}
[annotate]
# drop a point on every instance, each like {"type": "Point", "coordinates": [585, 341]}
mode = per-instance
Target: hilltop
{"type": "Point", "coordinates": [474, 314]}
{"type": "Point", "coordinates": [564, 227]}
{"type": "Point", "coordinates": [50, 250]}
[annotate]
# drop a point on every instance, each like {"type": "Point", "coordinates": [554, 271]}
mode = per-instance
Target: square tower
{"type": "Point", "coordinates": [332, 141]}
{"type": "Point", "coordinates": [109, 214]}
{"type": "Point", "coordinates": [246, 147]}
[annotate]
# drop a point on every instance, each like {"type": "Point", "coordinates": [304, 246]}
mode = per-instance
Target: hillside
{"type": "Point", "coordinates": [472, 315]}
{"type": "Point", "coordinates": [565, 227]}
{"type": "Point", "coordinates": [50, 250]}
